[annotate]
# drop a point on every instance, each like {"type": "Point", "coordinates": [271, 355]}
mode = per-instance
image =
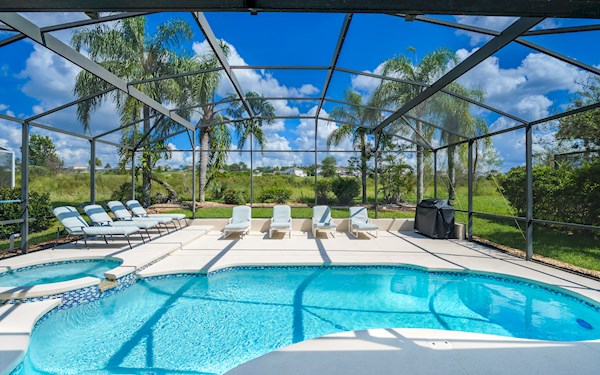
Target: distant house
{"type": "Point", "coordinates": [295, 172]}
{"type": "Point", "coordinates": [80, 168]}
{"type": "Point", "coordinates": [346, 172]}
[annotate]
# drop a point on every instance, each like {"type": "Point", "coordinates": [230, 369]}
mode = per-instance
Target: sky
{"type": "Point", "coordinates": [516, 79]}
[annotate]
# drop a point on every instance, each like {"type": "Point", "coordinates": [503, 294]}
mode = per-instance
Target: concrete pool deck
{"type": "Point", "coordinates": [189, 251]}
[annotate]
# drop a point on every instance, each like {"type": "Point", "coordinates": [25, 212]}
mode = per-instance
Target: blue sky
{"type": "Point", "coordinates": [518, 80]}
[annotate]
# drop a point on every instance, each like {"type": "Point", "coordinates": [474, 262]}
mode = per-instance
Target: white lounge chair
{"type": "Point", "coordinates": [281, 220]}
{"type": "Point", "coordinates": [99, 217]}
{"type": "Point", "coordinates": [75, 225]}
{"type": "Point", "coordinates": [239, 222]}
{"type": "Point", "coordinates": [360, 222]}
{"type": "Point", "coordinates": [139, 211]}
{"type": "Point", "coordinates": [322, 221]}
{"type": "Point", "coordinates": [121, 213]}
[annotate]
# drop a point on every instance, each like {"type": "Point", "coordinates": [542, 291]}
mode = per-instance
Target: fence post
{"type": "Point", "coordinates": [529, 193]}
{"type": "Point", "coordinates": [376, 183]}
{"type": "Point", "coordinates": [194, 174]}
{"type": "Point", "coordinates": [470, 199]}
{"type": "Point", "coordinates": [92, 171]}
{"type": "Point", "coordinates": [25, 187]}
{"type": "Point", "coordinates": [435, 174]}
{"type": "Point", "coordinates": [132, 174]}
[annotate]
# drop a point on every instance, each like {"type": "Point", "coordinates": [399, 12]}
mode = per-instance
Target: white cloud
{"type": "Point", "coordinates": [367, 84]}
{"type": "Point", "coordinates": [523, 90]}
{"type": "Point", "coordinates": [258, 81]}
{"type": "Point", "coordinates": [493, 23]}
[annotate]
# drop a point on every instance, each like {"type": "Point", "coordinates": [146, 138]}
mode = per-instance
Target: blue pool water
{"type": "Point", "coordinates": [200, 324]}
{"type": "Point", "coordinates": [56, 272]}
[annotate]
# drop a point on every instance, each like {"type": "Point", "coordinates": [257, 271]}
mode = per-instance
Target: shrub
{"type": "Point", "coordinates": [217, 189]}
{"type": "Point", "coordinates": [345, 189]}
{"type": "Point", "coordinates": [235, 196]}
{"type": "Point", "coordinates": [561, 194]}
{"type": "Point", "coordinates": [39, 207]}
{"type": "Point", "coordinates": [275, 195]}
{"type": "Point", "coordinates": [323, 190]}
{"type": "Point", "coordinates": [123, 192]}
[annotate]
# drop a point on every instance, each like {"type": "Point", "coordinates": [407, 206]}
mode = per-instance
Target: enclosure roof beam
{"type": "Point", "coordinates": [69, 104]}
{"type": "Point", "coordinates": [70, 25]}
{"type": "Point", "coordinates": [280, 67]}
{"type": "Point", "coordinates": [519, 8]}
{"type": "Point", "coordinates": [446, 91]}
{"type": "Point", "coordinates": [26, 27]}
{"type": "Point", "coordinates": [407, 116]}
{"type": "Point", "coordinates": [488, 49]}
{"type": "Point", "coordinates": [147, 134]}
{"type": "Point", "coordinates": [334, 60]}
{"type": "Point", "coordinates": [563, 30]}
{"type": "Point", "coordinates": [220, 54]}
{"type": "Point", "coordinates": [521, 41]}
{"type": "Point", "coordinates": [125, 126]}
{"type": "Point", "coordinates": [224, 101]}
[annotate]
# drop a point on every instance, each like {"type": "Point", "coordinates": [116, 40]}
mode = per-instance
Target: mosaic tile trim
{"type": "Point", "coordinates": [467, 273]}
{"type": "Point", "coordinates": [79, 296]}
{"type": "Point", "coordinates": [35, 266]}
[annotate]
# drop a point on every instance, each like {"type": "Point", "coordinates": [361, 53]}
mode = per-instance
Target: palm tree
{"type": "Point", "coordinates": [356, 113]}
{"type": "Point", "coordinates": [214, 136]}
{"type": "Point", "coordinates": [424, 72]}
{"type": "Point", "coordinates": [455, 115]}
{"type": "Point", "coordinates": [127, 50]}
{"type": "Point", "coordinates": [251, 127]}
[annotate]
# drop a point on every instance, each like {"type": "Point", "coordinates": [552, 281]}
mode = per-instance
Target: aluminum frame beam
{"type": "Point", "coordinates": [521, 8]}
{"type": "Point", "coordinates": [523, 42]}
{"type": "Point", "coordinates": [334, 60]}
{"type": "Point", "coordinates": [220, 54]}
{"type": "Point", "coordinates": [509, 34]}
{"type": "Point", "coordinates": [26, 27]}
{"type": "Point", "coordinates": [449, 92]}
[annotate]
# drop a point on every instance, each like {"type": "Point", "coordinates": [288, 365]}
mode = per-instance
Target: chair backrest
{"type": "Point", "coordinates": [321, 214]}
{"type": "Point", "coordinates": [241, 214]}
{"type": "Point", "coordinates": [136, 208]}
{"type": "Point", "coordinates": [70, 218]}
{"type": "Point", "coordinates": [119, 210]}
{"type": "Point", "coordinates": [282, 214]}
{"type": "Point", "coordinates": [97, 214]}
{"type": "Point", "coordinates": [359, 215]}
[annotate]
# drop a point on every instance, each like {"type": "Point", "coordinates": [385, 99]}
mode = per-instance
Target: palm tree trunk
{"type": "Point", "coordinates": [204, 144]}
{"type": "Point", "coordinates": [451, 173]}
{"type": "Point", "coordinates": [420, 166]}
{"type": "Point", "coordinates": [171, 193]}
{"type": "Point", "coordinates": [363, 167]}
{"type": "Point", "coordinates": [146, 183]}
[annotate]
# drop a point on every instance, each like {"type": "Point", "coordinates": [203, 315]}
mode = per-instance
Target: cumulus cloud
{"type": "Point", "coordinates": [523, 90]}
{"type": "Point", "coordinates": [260, 82]}
{"type": "Point", "coordinates": [493, 23]}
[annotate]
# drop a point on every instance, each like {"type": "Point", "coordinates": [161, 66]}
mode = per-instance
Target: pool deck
{"type": "Point", "coordinates": [421, 351]}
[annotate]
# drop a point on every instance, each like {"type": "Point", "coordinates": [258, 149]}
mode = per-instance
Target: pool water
{"type": "Point", "coordinates": [200, 324]}
{"type": "Point", "coordinates": [56, 272]}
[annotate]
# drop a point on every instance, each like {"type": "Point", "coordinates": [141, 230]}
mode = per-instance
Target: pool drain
{"type": "Point", "coordinates": [584, 324]}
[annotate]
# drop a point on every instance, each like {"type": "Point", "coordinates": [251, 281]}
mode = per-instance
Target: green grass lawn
{"type": "Point", "coordinates": [580, 249]}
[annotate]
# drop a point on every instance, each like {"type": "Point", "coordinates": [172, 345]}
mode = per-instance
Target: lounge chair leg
{"type": "Point", "coordinates": [158, 229]}
{"type": "Point", "coordinates": [85, 242]}
{"type": "Point", "coordinates": [127, 237]}
{"type": "Point", "coordinates": [57, 236]}
{"type": "Point", "coordinates": [148, 233]}
{"type": "Point", "coordinates": [105, 239]}
{"type": "Point", "coordinates": [142, 236]}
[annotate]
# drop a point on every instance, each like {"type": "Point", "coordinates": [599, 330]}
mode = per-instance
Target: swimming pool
{"type": "Point", "coordinates": [57, 271]}
{"type": "Point", "coordinates": [201, 324]}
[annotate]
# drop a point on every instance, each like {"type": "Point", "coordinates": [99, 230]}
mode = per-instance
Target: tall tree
{"type": "Point", "coordinates": [423, 72]}
{"type": "Point", "coordinates": [454, 113]}
{"type": "Point", "coordinates": [251, 127]}
{"type": "Point", "coordinates": [128, 50]}
{"type": "Point", "coordinates": [328, 166]}
{"type": "Point", "coordinates": [213, 135]}
{"type": "Point", "coordinates": [583, 129]}
{"type": "Point", "coordinates": [356, 113]}
{"type": "Point", "coordinates": [42, 152]}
